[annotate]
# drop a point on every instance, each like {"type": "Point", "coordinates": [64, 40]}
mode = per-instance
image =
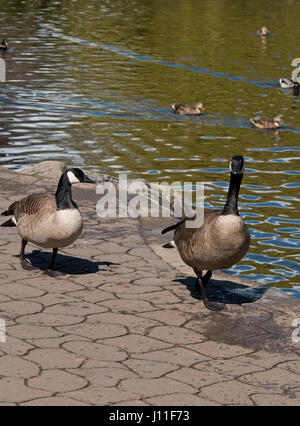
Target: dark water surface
{"type": "Point", "coordinates": [91, 83]}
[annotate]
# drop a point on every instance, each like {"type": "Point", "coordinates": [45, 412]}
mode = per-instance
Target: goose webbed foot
{"type": "Point", "coordinates": [52, 273]}
{"type": "Point", "coordinates": [26, 265]}
{"type": "Point", "coordinates": [202, 281]}
{"type": "Point", "coordinates": [24, 262]}
{"type": "Point", "coordinates": [214, 306]}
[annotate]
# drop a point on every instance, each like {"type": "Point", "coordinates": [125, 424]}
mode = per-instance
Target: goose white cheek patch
{"type": "Point", "coordinates": [72, 178]}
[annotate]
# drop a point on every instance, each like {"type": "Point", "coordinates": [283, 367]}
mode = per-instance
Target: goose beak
{"type": "Point", "coordinates": [86, 179]}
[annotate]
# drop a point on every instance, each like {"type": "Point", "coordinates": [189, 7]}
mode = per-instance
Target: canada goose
{"type": "Point", "coordinates": [4, 44]}
{"type": "Point", "coordinates": [286, 83]}
{"type": "Point", "coordinates": [48, 220]}
{"type": "Point", "coordinates": [186, 109]}
{"type": "Point", "coordinates": [262, 123]}
{"type": "Point", "coordinates": [263, 31]}
{"type": "Point", "coordinates": [220, 242]}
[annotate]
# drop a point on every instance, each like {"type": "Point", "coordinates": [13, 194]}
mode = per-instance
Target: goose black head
{"type": "Point", "coordinates": [76, 176]}
{"type": "Point", "coordinates": [237, 165]}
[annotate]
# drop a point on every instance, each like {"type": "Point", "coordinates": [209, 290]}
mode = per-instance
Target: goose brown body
{"type": "Point", "coordinates": [219, 243]}
{"type": "Point", "coordinates": [39, 222]}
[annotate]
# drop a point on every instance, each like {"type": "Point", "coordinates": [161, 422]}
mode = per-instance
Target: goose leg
{"type": "Point", "coordinates": [50, 270]}
{"type": "Point", "coordinates": [202, 281]}
{"type": "Point", "coordinates": [24, 262]}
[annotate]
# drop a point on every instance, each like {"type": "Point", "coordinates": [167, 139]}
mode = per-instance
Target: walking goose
{"type": "Point", "coordinates": [187, 110]}
{"type": "Point", "coordinates": [48, 220]}
{"type": "Point", "coordinates": [220, 242]}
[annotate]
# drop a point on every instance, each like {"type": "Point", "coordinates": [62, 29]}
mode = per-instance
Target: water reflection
{"type": "Point", "coordinates": [92, 83]}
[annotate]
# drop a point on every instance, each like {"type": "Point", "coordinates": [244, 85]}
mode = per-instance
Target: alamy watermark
{"type": "Point", "coordinates": [136, 198]}
{"type": "Point", "coordinates": [296, 332]}
{"type": "Point", "coordinates": [295, 73]}
{"type": "Point", "coordinates": [2, 331]}
{"type": "Point", "coordinates": [2, 70]}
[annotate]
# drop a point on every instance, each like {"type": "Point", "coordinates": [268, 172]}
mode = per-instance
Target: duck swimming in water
{"type": "Point", "coordinates": [287, 83]}
{"type": "Point", "coordinates": [263, 123]}
{"type": "Point", "coordinates": [187, 110]}
{"type": "Point", "coordinates": [263, 31]}
{"type": "Point", "coordinates": [4, 44]}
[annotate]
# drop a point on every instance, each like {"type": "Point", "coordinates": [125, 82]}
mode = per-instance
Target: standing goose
{"type": "Point", "coordinates": [48, 221]}
{"type": "Point", "coordinates": [220, 242]}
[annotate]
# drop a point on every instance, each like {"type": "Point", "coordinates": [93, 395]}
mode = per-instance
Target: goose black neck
{"type": "Point", "coordinates": [233, 193]}
{"type": "Point", "coordinates": [63, 194]}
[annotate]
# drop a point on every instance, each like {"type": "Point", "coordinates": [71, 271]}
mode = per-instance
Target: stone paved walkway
{"type": "Point", "coordinates": [123, 327]}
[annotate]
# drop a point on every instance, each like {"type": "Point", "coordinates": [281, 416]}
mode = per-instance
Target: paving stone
{"type": "Point", "coordinates": [150, 369]}
{"type": "Point", "coordinates": [180, 399]}
{"type": "Point", "coordinates": [74, 308]}
{"type": "Point", "coordinates": [133, 323]}
{"type": "Point", "coordinates": [196, 378]}
{"type": "Point", "coordinates": [106, 376]}
{"type": "Point", "coordinates": [14, 346]}
{"type": "Point", "coordinates": [19, 291]}
{"type": "Point", "coordinates": [55, 401]}
{"type": "Point", "coordinates": [137, 344]}
{"type": "Point", "coordinates": [168, 317]}
{"type": "Point", "coordinates": [26, 332]}
{"type": "Point", "coordinates": [14, 390]}
{"type": "Point", "coordinates": [229, 368]}
{"type": "Point", "coordinates": [54, 359]}
{"type": "Point", "coordinates": [276, 378]}
{"type": "Point", "coordinates": [95, 331]}
{"type": "Point", "coordinates": [147, 388]}
{"type": "Point", "coordinates": [177, 355]}
{"type": "Point", "coordinates": [267, 359]}
{"type": "Point", "coordinates": [271, 399]}
{"type": "Point", "coordinates": [93, 296]}
{"type": "Point", "coordinates": [176, 335]}
{"type": "Point", "coordinates": [53, 320]}
{"type": "Point", "coordinates": [99, 395]}
{"type": "Point", "coordinates": [96, 351]}
{"type": "Point", "coordinates": [128, 306]}
{"type": "Point", "coordinates": [57, 381]}
{"type": "Point", "coordinates": [14, 366]}
{"type": "Point", "coordinates": [229, 393]}
{"type": "Point", "coordinates": [20, 307]}
{"type": "Point", "coordinates": [219, 350]}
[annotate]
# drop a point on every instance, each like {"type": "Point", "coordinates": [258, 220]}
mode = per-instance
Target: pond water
{"type": "Point", "coordinates": [91, 83]}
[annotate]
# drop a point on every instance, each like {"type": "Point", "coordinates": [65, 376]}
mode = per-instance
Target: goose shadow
{"type": "Point", "coordinates": [67, 264]}
{"type": "Point", "coordinates": [227, 292]}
